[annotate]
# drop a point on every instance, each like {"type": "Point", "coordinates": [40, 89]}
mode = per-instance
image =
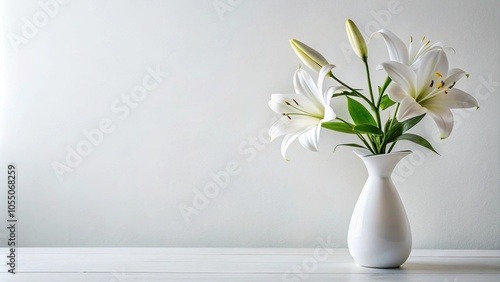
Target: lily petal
{"type": "Point", "coordinates": [417, 55]}
{"type": "Point", "coordinates": [303, 112]}
{"type": "Point", "coordinates": [332, 90]}
{"type": "Point", "coordinates": [285, 126]}
{"type": "Point", "coordinates": [310, 138]}
{"type": "Point", "coordinates": [428, 71]}
{"type": "Point", "coordinates": [396, 48]}
{"type": "Point", "coordinates": [294, 104]}
{"type": "Point", "coordinates": [279, 128]}
{"type": "Point", "coordinates": [304, 85]}
{"type": "Point", "coordinates": [296, 129]}
{"type": "Point", "coordinates": [396, 93]}
{"type": "Point", "coordinates": [323, 73]}
{"type": "Point", "coordinates": [287, 140]}
{"type": "Point", "coordinates": [409, 108]}
{"type": "Point", "coordinates": [454, 75]}
{"type": "Point", "coordinates": [443, 118]}
{"type": "Point", "coordinates": [455, 99]}
{"type": "Point", "coordinates": [401, 74]}
{"type": "Point", "coordinates": [277, 103]}
{"type": "Point", "coordinates": [329, 114]}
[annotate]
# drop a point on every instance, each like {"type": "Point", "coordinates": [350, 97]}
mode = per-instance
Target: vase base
{"type": "Point", "coordinates": [381, 267]}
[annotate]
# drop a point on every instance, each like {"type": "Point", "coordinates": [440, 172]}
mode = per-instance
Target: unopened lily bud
{"type": "Point", "coordinates": [356, 38]}
{"type": "Point", "coordinates": [308, 55]}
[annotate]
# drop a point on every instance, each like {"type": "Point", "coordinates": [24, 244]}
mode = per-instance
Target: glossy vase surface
{"type": "Point", "coordinates": [379, 233]}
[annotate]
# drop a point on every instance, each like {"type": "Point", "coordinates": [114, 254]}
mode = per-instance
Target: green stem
{"type": "Point", "coordinates": [388, 81]}
{"type": "Point", "coordinates": [392, 146]}
{"type": "Point", "coordinates": [375, 108]}
{"type": "Point", "coordinates": [394, 117]}
{"type": "Point", "coordinates": [359, 136]}
{"type": "Point", "coordinates": [343, 94]}
{"type": "Point", "coordinates": [374, 143]}
{"type": "Point", "coordinates": [365, 61]}
{"type": "Point", "coordinates": [353, 90]}
{"type": "Point", "coordinates": [392, 122]}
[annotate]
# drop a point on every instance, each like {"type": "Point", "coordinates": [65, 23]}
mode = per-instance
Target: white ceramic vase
{"type": "Point", "coordinates": [379, 232]}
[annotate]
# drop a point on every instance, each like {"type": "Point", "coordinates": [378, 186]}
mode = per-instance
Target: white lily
{"type": "Point", "coordinates": [303, 112]}
{"type": "Point", "coordinates": [356, 39]}
{"type": "Point", "coordinates": [310, 57]}
{"type": "Point", "coordinates": [407, 56]}
{"type": "Point", "coordinates": [428, 89]}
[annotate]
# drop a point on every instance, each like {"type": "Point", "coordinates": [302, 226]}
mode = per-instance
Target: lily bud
{"type": "Point", "coordinates": [308, 55]}
{"type": "Point", "coordinates": [357, 42]}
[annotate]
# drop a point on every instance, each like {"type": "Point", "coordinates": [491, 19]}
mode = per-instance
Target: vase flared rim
{"type": "Point", "coordinates": [363, 153]}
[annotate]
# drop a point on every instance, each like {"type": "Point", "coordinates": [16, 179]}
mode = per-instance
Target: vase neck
{"type": "Point", "coordinates": [381, 165]}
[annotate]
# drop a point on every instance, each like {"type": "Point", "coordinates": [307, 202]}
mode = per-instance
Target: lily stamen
{"type": "Point", "coordinates": [432, 83]}
{"type": "Point", "coordinates": [301, 110]}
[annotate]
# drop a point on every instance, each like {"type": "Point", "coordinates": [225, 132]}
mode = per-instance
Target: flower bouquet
{"type": "Point", "coordinates": [419, 82]}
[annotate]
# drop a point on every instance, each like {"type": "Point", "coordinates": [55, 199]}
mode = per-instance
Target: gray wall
{"type": "Point", "coordinates": [159, 98]}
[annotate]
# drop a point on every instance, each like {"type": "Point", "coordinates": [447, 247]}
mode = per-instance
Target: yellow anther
{"type": "Point", "coordinates": [438, 74]}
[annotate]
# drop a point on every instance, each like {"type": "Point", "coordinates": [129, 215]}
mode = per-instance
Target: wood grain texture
{"type": "Point", "coordinates": [165, 264]}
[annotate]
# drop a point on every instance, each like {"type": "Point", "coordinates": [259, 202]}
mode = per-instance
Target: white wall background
{"type": "Point", "coordinates": [210, 114]}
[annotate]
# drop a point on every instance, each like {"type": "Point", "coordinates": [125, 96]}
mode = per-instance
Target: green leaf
{"type": "Point", "coordinates": [350, 145]}
{"type": "Point", "coordinates": [338, 126]}
{"type": "Point", "coordinates": [394, 132]}
{"type": "Point", "coordinates": [409, 123]}
{"type": "Point", "coordinates": [368, 129]}
{"type": "Point", "coordinates": [387, 124]}
{"type": "Point", "coordinates": [386, 102]}
{"type": "Point", "coordinates": [398, 128]}
{"type": "Point", "coordinates": [359, 113]}
{"type": "Point", "coordinates": [417, 140]}
{"type": "Point", "coordinates": [344, 93]}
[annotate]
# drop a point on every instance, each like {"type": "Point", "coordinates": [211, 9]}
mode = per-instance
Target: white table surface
{"type": "Point", "coordinates": [173, 264]}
